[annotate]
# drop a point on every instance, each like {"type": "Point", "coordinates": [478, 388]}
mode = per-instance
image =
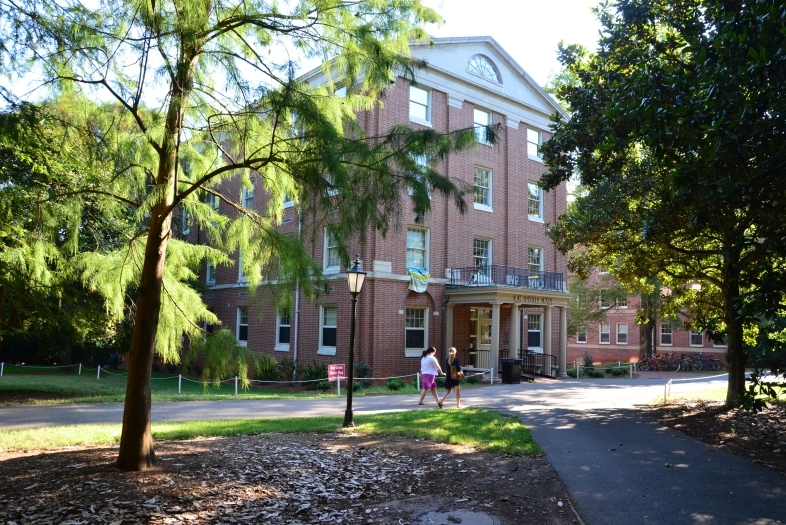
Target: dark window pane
{"type": "Point", "coordinates": [209, 328]}
{"type": "Point", "coordinates": [416, 339]}
{"type": "Point", "coordinates": [534, 339]}
{"type": "Point", "coordinates": [243, 333]}
{"type": "Point", "coordinates": [283, 334]}
{"type": "Point", "coordinates": [328, 337]}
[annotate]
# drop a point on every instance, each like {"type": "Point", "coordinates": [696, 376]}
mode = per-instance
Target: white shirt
{"type": "Point", "coordinates": [429, 365]}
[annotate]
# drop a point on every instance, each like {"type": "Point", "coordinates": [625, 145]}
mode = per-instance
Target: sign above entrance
{"type": "Point", "coordinates": [532, 299]}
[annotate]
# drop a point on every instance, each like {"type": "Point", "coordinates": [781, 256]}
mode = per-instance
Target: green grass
{"type": "Point", "coordinates": [712, 394]}
{"type": "Point", "coordinates": [72, 388]}
{"type": "Point", "coordinates": [479, 429]}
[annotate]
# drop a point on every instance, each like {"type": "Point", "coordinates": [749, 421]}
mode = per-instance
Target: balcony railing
{"type": "Point", "coordinates": [506, 277]}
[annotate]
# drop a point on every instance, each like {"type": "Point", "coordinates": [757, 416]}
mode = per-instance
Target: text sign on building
{"type": "Point", "coordinates": [335, 372]}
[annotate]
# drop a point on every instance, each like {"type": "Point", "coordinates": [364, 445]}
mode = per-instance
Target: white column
{"type": "Point", "coordinates": [514, 331]}
{"type": "Point", "coordinates": [448, 326]}
{"type": "Point", "coordinates": [494, 357]}
{"type": "Point", "coordinates": [547, 330]}
{"type": "Point", "coordinates": [563, 341]}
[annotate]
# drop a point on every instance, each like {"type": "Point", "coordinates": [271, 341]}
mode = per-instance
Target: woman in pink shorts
{"type": "Point", "coordinates": [429, 370]}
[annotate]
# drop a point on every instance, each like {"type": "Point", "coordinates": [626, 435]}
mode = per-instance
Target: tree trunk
{"type": "Point", "coordinates": [136, 440]}
{"type": "Point", "coordinates": [735, 353]}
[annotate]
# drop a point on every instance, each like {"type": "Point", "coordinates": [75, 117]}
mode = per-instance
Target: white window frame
{"type": "Point", "coordinates": [213, 201]}
{"type": "Point", "coordinates": [603, 299]}
{"type": "Point", "coordinates": [484, 206]}
{"type": "Point", "coordinates": [241, 274]}
{"type": "Point", "coordinates": [185, 227]}
{"type": "Point", "coordinates": [669, 333]}
{"type": "Point", "coordinates": [530, 251]}
{"type": "Point", "coordinates": [282, 347]}
{"type": "Point", "coordinates": [327, 350]}
{"type": "Point", "coordinates": [622, 330]}
{"type": "Point", "coordinates": [480, 124]}
{"type": "Point", "coordinates": [288, 202]}
{"type": "Point", "coordinates": [535, 319]}
{"type": "Point", "coordinates": [422, 161]}
{"type": "Point", "coordinates": [247, 195]}
{"type": "Point", "coordinates": [604, 332]}
{"type": "Point", "coordinates": [693, 333]}
{"type": "Point", "coordinates": [484, 68]}
{"type": "Point", "coordinates": [425, 249]}
{"type": "Point", "coordinates": [327, 268]}
{"type": "Point", "coordinates": [416, 90]}
{"type": "Point", "coordinates": [340, 92]}
{"type": "Point", "coordinates": [581, 335]}
{"type": "Point", "coordinates": [210, 273]}
{"type": "Point", "coordinates": [537, 135]}
{"type": "Point", "coordinates": [416, 352]}
{"type": "Point", "coordinates": [488, 258]}
{"type": "Point", "coordinates": [241, 311]}
{"type": "Point", "coordinates": [721, 345]}
{"type": "Point", "coordinates": [534, 195]}
{"type": "Point", "coordinates": [622, 303]}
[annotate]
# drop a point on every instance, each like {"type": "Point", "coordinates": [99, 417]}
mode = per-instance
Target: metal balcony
{"type": "Point", "coordinates": [504, 277]}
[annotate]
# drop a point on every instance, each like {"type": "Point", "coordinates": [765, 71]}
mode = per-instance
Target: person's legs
{"type": "Point", "coordinates": [436, 396]}
{"type": "Point", "coordinates": [458, 396]}
{"type": "Point", "coordinates": [422, 397]}
{"type": "Point", "coordinates": [446, 395]}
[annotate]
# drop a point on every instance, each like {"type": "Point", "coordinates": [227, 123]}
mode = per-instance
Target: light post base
{"type": "Point", "coordinates": [348, 419]}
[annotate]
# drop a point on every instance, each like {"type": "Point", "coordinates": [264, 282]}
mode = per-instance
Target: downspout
{"type": "Point", "coordinates": [444, 327]}
{"type": "Point", "coordinates": [297, 307]}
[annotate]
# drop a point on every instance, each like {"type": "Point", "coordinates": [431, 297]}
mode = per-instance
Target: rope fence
{"type": "Point", "coordinates": [630, 366]}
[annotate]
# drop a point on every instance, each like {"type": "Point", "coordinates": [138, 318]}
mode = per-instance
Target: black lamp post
{"type": "Point", "coordinates": [355, 277]}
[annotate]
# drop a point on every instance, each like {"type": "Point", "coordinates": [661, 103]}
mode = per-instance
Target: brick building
{"type": "Point", "coordinates": [495, 279]}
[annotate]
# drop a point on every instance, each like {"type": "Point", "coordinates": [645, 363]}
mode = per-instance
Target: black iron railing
{"type": "Point", "coordinates": [538, 364]}
{"type": "Point", "coordinates": [505, 276]}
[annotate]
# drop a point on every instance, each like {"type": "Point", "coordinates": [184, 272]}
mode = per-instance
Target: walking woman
{"type": "Point", "coordinates": [429, 369]}
{"type": "Point", "coordinates": [450, 383]}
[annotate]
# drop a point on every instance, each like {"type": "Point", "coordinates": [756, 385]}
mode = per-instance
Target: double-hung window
{"type": "Point", "coordinates": [185, 226]}
{"type": "Point", "coordinates": [605, 334]}
{"type": "Point", "coordinates": [581, 334]}
{"type": "Point", "coordinates": [241, 272]}
{"type": "Point", "coordinates": [282, 331]}
{"type": "Point", "coordinates": [481, 124]}
{"type": "Point", "coordinates": [417, 248]}
{"type": "Point", "coordinates": [248, 198]}
{"type": "Point", "coordinates": [241, 329]}
{"type": "Point", "coordinates": [604, 299]}
{"type": "Point", "coordinates": [214, 201]}
{"type": "Point", "coordinates": [534, 202]}
{"type": "Point", "coordinates": [696, 338]}
{"type": "Point", "coordinates": [535, 259]}
{"type": "Point", "coordinates": [332, 261]}
{"type": "Point", "coordinates": [622, 302]}
{"type": "Point", "coordinates": [481, 259]}
{"type": "Point", "coordinates": [534, 140]}
{"type": "Point", "coordinates": [482, 193]}
{"type": "Point", "coordinates": [533, 331]}
{"type": "Point", "coordinates": [327, 330]}
{"type": "Point", "coordinates": [665, 335]}
{"type": "Point", "coordinates": [622, 334]}
{"type": "Point", "coordinates": [416, 331]}
{"type": "Point", "coordinates": [422, 162]}
{"type": "Point", "coordinates": [419, 105]}
{"type": "Point", "coordinates": [210, 273]}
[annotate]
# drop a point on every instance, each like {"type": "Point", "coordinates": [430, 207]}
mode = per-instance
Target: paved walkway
{"type": "Point", "coordinates": [620, 467]}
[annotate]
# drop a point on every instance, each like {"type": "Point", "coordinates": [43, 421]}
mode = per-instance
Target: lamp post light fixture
{"type": "Point", "coordinates": [355, 277]}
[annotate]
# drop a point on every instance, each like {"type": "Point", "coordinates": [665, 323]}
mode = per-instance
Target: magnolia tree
{"type": "Point", "coordinates": [190, 93]}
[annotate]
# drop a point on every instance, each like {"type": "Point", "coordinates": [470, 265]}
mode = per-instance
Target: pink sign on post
{"type": "Point", "coordinates": [336, 372]}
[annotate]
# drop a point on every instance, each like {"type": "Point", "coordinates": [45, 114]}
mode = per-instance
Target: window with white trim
{"type": "Point", "coordinates": [534, 202]}
{"type": "Point", "coordinates": [665, 334]}
{"type": "Point", "coordinates": [481, 253]}
{"type": "Point", "coordinates": [622, 334]}
{"type": "Point", "coordinates": [282, 331]}
{"type": "Point", "coordinates": [482, 120]}
{"type": "Point", "coordinates": [422, 161]}
{"type": "Point", "coordinates": [722, 344]}
{"type": "Point", "coordinates": [581, 334]}
{"type": "Point", "coordinates": [419, 105]}
{"type": "Point", "coordinates": [417, 247]}
{"type": "Point", "coordinates": [482, 193]}
{"type": "Point", "coordinates": [415, 331]}
{"type": "Point", "coordinates": [622, 302]}
{"type": "Point", "coordinates": [605, 334]}
{"type": "Point", "coordinates": [604, 299]}
{"type": "Point", "coordinates": [534, 140]}
{"type": "Point", "coordinates": [288, 202]}
{"type": "Point", "coordinates": [483, 67]}
{"type": "Point", "coordinates": [241, 272]}
{"type": "Point", "coordinates": [185, 223]}
{"type": "Point", "coordinates": [535, 259]}
{"type": "Point", "coordinates": [241, 328]}
{"type": "Point", "coordinates": [210, 273]}
{"type": "Point", "coordinates": [332, 261]}
{"type": "Point", "coordinates": [696, 338]}
{"type": "Point", "coordinates": [248, 198]}
{"type": "Point", "coordinates": [213, 201]}
{"type": "Point", "coordinates": [341, 92]}
{"type": "Point", "coordinates": [533, 331]}
{"type": "Point", "coordinates": [327, 330]}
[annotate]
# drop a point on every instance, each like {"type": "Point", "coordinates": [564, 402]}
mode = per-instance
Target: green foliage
{"type": "Point", "coordinates": [588, 359]}
{"type": "Point", "coordinates": [571, 372]}
{"type": "Point", "coordinates": [285, 368]}
{"type": "Point", "coordinates": [267, 369]}
{"type": "Point", "coordinates": [591, 372]}
{"type": "Point", "coordinates": [325, 386]}
{"type": "Point", "coordinates": [617, 371]}
{"type": "Point", "coordinates": [395, 383]}
{"type": "Point", "coordinates": [357, 386]}
{"type": "Point", "coordinates": [223, 358]}
{"type": "Point", "coordinates": [313, 372]}
{"type": "Point", "coordinates": [440, 381]}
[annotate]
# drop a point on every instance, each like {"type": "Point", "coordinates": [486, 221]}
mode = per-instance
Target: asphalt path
{"type": "Point", "coordinates": [620, 466]}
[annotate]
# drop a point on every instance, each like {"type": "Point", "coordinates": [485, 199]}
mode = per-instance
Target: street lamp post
{"type": "Point", "coordinates": [355, 277]}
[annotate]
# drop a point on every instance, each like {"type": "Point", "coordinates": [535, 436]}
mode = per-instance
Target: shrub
{"type": "Point", "coordinates": [618, 371]}
{"type": "Point", "coordinates": [356, 385]}
{"type": "Point", "coordinates": [193, 369]}
{"type": "Point", "coordinates": [363, 370]}
{"type": "Point", "coordinates": [286, 366]}
{"type": "Point", "coordinates": [596, 373]}
{"type": "Point", "coordinates": [588, 359]}
{"type": "Point", "coordinates": [267, 369]}
{"type": "Point", "coordinates": [313, 372]}
{"type": "Point", "coordinates": [440, 381]}
{"type": "Point", "coordinates": [394, 383]}
{"type": "Point", "coordinates": [473, 379]}
{"type": "Point", "coordinates": [571, 372]}
{"type": "Point", "coordinates": [325, 386]}
{"type": "Point", "coordinates": [114, 361]}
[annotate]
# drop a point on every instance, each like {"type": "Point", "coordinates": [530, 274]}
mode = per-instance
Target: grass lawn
{"type": "Point", "coordinates": [480, 429]}
{"type": "Point", "coordinates": [68, 387]}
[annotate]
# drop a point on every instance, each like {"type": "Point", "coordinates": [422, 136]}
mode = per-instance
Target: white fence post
{"type": "Point", "coordinates": [235, 386]}
{"type": "Point", "coordinates": [179, 382]}
{"type": "Point", "coordinates": [418, 376]}
{"type": "Point", "coordinates": [98, 373]}
{"type": "Point", "coordinates": [80, 369]}
{"type": "Point", "coordinates": [630, 368]}
{"type": "Point", "coordinates": [1, 369]}
{"type": "Point", "coordinates": [666, 391]}
{"type": "Point", "coordinates": [338, 384]}
{"type": "Point", "coordinates": [577, 369]}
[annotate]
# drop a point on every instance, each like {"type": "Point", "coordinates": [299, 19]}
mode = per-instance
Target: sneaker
{"type": "Point", "coordinates": [421, 403]}
{"type": "Point", "coordinates": [439, 405]}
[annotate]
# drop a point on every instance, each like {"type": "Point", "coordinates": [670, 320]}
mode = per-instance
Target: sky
{"type": "Point", "coordinates": [529, 30]}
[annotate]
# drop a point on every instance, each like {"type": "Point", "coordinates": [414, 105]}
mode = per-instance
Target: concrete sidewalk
{"type": "Point", "coordinates": [620, 466]}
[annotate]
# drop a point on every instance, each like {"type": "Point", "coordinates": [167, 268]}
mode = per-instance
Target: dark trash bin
{"type": "Point", "coordinates": [511, 371]}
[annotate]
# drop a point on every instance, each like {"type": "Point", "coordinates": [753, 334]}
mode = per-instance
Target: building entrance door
{"type": "Point", "coordinates": [481, 336]}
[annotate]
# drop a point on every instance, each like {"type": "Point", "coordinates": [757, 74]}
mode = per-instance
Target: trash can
{"type": "Point", "coordinates": [511, 371]}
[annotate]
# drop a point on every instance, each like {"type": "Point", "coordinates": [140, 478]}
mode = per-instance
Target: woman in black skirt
{"type": "Point", "coordinates": [450, 383]}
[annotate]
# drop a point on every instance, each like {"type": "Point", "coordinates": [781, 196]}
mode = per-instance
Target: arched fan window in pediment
{"type": "Point", "coordinates": [483, 67]}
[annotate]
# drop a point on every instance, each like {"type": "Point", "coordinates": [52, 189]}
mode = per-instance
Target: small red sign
{"type": "Point", "coordinates": [336, 372]}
